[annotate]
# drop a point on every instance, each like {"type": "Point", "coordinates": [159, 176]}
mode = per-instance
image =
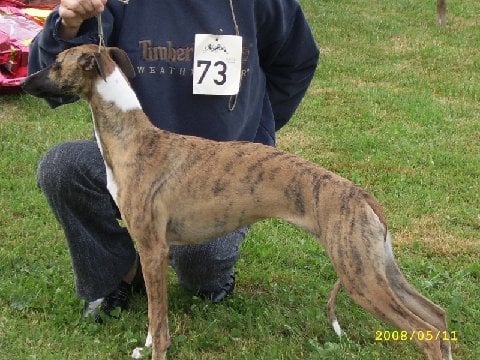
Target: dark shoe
{"type": "Point", "coordinates": [220, 294]}
{"type": "Point", "coordinates": [117, 299]}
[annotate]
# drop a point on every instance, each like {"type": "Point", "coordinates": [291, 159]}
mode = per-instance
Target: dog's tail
{"type": "Point", "coordinates": [332, 316]}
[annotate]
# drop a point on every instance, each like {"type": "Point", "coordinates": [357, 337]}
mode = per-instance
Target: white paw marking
{"type": "Point", "coordinates": [137, 352]}
{"type": "Point", "coordinates": [148, 340]}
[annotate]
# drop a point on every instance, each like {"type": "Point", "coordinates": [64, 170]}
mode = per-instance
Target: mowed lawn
{"type": "Point", "coordinates": [394, 106]}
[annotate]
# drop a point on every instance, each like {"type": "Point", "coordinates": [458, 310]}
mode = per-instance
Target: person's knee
{"type": "Point", "coordinates": [59, 164]}
{"type": "Point", "coordinates": [207, 266]}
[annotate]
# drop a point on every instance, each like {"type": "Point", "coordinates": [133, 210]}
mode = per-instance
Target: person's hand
{"type": "Point", "coordinates": [74, 12]}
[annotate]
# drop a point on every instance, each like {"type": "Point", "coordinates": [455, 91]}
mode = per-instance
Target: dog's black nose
{"type": "Point", "coordinates": [28, 85]}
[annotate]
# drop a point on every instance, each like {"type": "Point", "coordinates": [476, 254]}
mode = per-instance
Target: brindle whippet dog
{"type": "Point", "coordinates": [174, 189]}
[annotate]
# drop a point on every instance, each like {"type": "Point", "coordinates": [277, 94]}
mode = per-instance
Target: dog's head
{"type": "Point", "coordinates": [76, 70]}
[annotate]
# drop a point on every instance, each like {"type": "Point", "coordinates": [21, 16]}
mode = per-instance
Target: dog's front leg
{"type": "Point", "coordinates": [154, 260]}
{"type": "Point", "coordinates": [155, 266]}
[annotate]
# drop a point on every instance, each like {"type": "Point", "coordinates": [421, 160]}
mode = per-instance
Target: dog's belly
{"type": "Point", "coordinates": [207, 219]}
{"type": "Point", "coordinates": [207, 225]}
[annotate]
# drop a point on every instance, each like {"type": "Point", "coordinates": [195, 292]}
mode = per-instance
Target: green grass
{"type": "Point", "coordinates": [394, 106]}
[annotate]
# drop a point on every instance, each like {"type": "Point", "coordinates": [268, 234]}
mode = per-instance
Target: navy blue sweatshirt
{"type": "Point", "coordinates": [279, 60]}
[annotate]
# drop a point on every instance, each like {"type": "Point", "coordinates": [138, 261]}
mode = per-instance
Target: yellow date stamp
{"type": "Point", "coordinates": [416, 335]}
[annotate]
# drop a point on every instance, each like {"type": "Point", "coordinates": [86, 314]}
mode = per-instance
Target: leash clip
{"type": "Point", "coordinates": [101, 37]}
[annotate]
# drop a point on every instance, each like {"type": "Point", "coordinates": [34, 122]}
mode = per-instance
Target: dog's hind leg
{"type": "Point", "coordinates": [378, 297]}
{"type": "Point", "coordinates": [416, 303]}
{"type": "Point", "coordinates": [361, 264]}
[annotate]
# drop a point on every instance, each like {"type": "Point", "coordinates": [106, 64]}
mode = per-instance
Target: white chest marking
{"type": "Point", "coordinates": [111, 183]}
{"type": "Point", "coordinates": [115, 89]}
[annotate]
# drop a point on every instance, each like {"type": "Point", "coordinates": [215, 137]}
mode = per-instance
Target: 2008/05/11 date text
{"type": "Point", "coordinates": [420, 335]}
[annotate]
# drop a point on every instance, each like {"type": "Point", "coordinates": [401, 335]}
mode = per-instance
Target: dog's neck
{"type": "Point", "coordinates": [117, 113]}
{"type": "Point", "coordinates": [114, 104]}
{"type": "Point", "coordinates": [116, 90]}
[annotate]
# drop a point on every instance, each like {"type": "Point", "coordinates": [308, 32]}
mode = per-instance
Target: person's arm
{"type": "Point", "coordinates": [288, 55]}
{"type": "Point", "coordinates": [72, 23]}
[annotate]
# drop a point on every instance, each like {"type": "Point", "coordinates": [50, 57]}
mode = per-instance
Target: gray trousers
{"type": "Point", "coordinates": [72, 176]}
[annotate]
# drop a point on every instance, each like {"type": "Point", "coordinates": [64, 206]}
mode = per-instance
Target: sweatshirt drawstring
{"type": "Point", "coordinates": [232, 102]}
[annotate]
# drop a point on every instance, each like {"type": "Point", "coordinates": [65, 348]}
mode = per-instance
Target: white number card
{"type": "Point", "coordinates": [217, 64]}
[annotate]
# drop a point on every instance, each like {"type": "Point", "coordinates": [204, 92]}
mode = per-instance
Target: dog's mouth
{"type": "Point", "coordinates": [43, 88]}
{"type": "Point", "coordinates": [40, 85]}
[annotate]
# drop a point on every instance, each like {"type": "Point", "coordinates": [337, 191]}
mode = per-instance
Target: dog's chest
{"type": "Point", "coordinates": [114, 90]}
{"type": "Point", "coordinates": [112, 186]}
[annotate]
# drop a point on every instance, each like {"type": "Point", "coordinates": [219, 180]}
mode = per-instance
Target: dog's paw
{"type": "Point", "coordinates": [137, 352]}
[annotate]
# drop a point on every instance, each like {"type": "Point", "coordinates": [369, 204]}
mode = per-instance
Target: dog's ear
{"type": "Point", "coordinates": [122, 60]}
{"type": "Point", "coordinates": [92, 61]}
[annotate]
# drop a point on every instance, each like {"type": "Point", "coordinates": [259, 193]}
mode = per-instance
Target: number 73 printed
{"type": "Point", "coordinates": [217, 64]}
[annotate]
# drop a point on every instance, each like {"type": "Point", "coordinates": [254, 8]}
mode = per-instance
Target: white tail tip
{"type": "Point", "coordinates": [337, 328]}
